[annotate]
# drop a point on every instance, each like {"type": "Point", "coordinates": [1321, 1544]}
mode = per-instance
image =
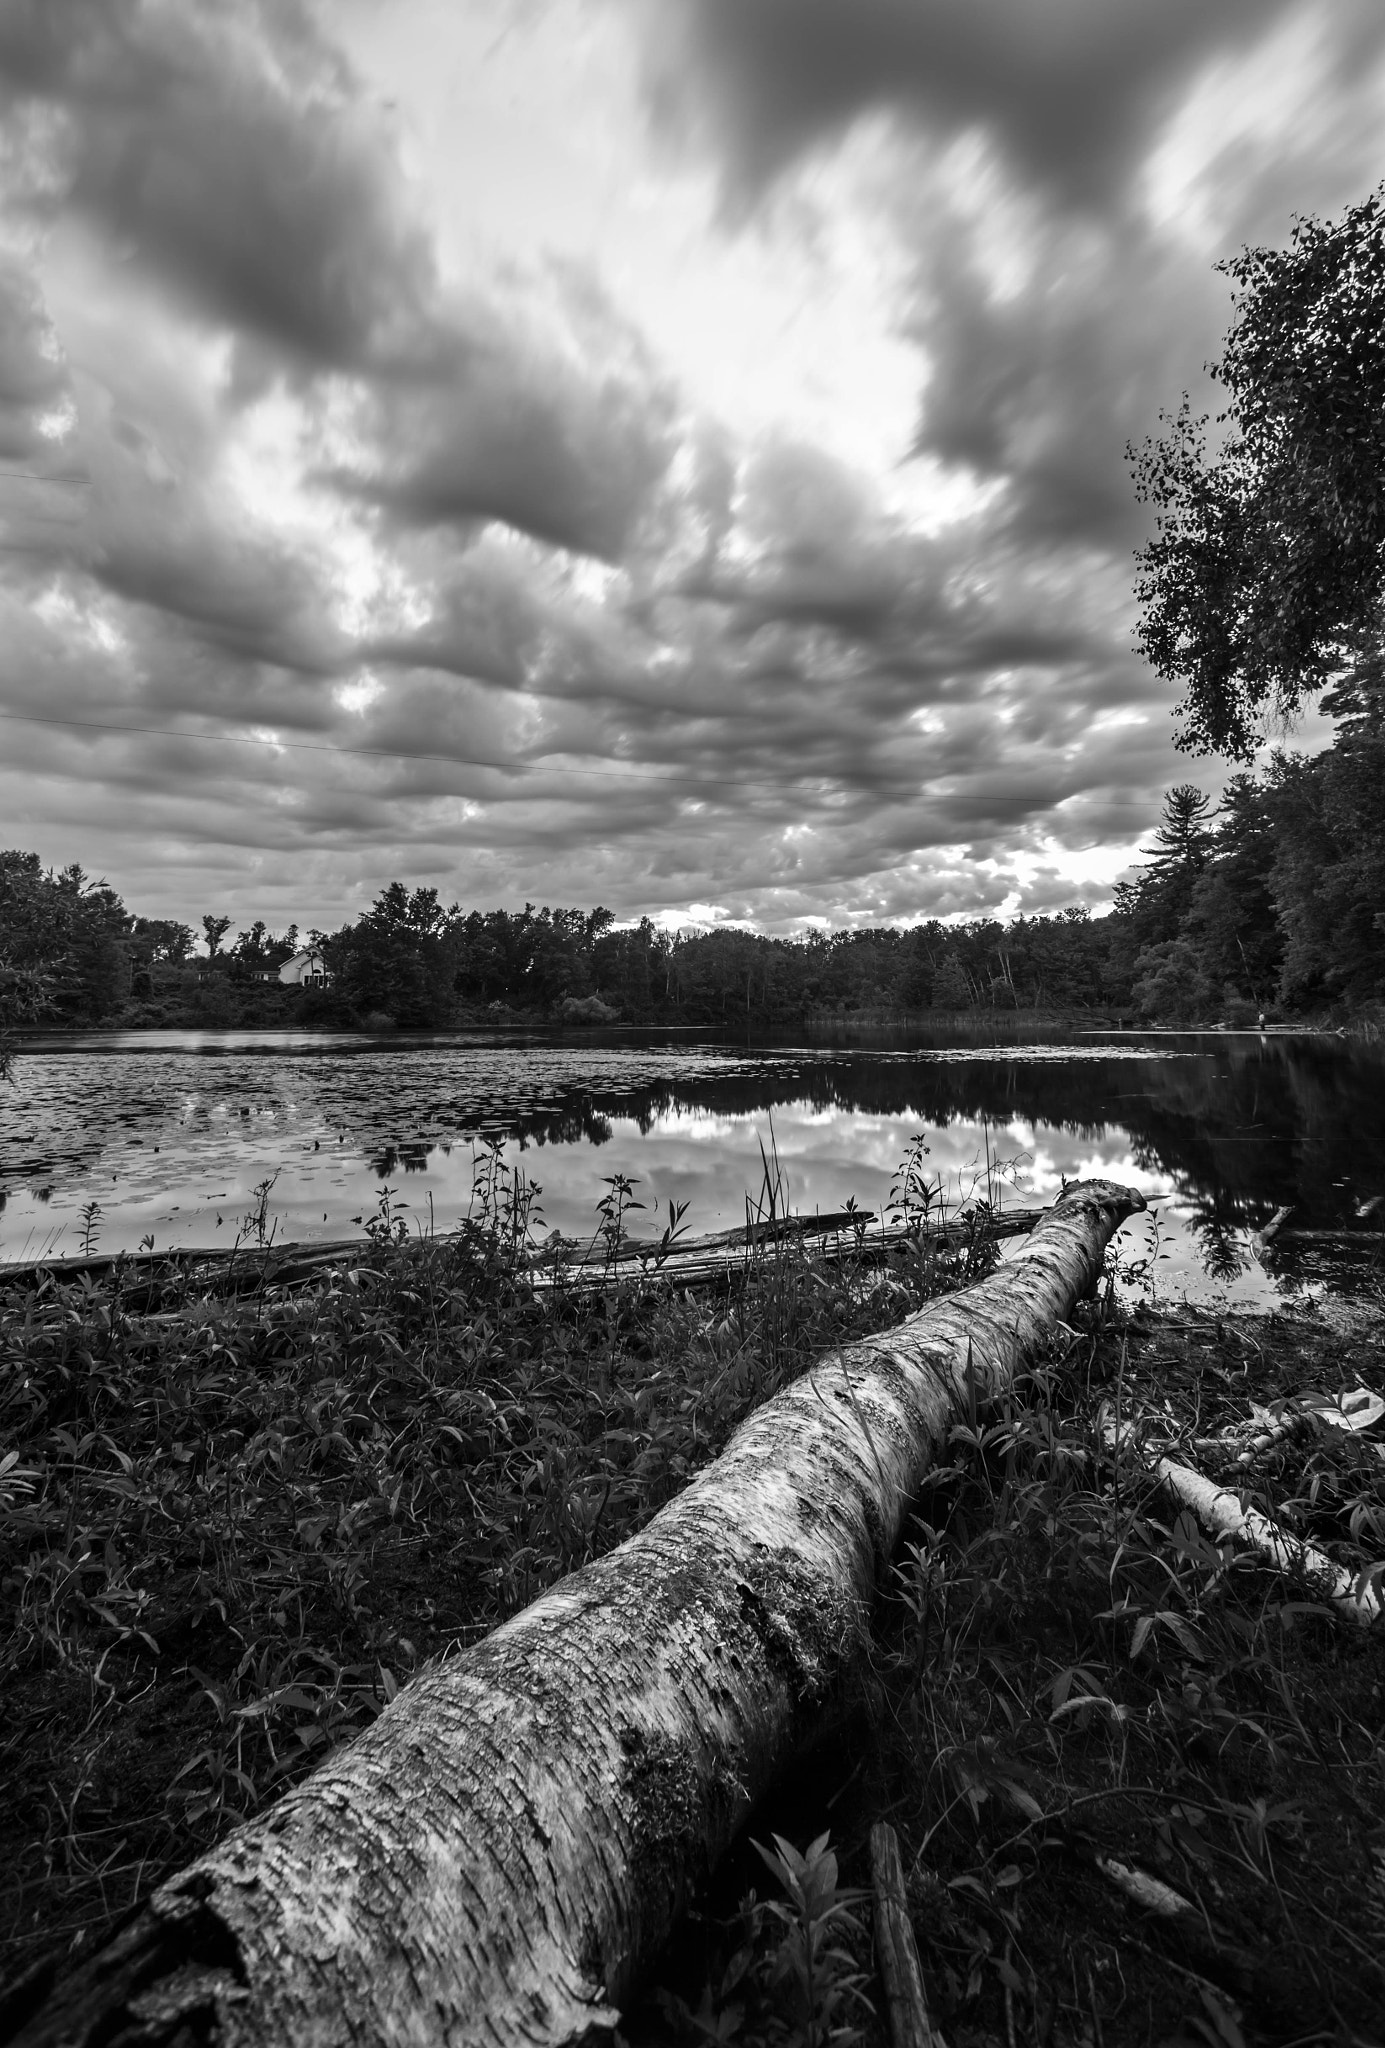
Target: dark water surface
{"type": "Point", "coordinates": [171, 1133]}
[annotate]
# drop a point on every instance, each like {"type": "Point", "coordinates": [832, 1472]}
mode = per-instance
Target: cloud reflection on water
{"type": "Point", "coordinates": [172, 1141]}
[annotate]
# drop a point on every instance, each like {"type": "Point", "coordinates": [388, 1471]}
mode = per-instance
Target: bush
{"type": "Point", "coordinates": [587, 1010]}
{"type": "Point", "coordinates": [214, 1005]}
{"type": "Point", "coordinates": [1170, 986]}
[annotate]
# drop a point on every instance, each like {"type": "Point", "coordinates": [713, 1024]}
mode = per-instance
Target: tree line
{"type": "Point", "coordinates": [1262, 586]}
{"type": "Point", "coordinates": [1273, 902]}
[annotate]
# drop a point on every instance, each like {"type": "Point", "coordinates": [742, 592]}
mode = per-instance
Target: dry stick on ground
{"type": "Point", "coordinates": [1221, 1513]}
{"type": "Point", "coordinates": [1223, 1960]}
{"type": "Point", "coordinates": [1235, 1447]}
{"type": "Point", "coordinates": [896, 1952]}
{"type": "Point", "coordinates": [502, 1855]}
{"type": "Point", "coordinates": [1354, 1410]}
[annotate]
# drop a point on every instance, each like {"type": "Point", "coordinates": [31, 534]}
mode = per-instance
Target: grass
{"type": "Point", "coordinates": [232, 1528]}
{"type": "Point", "coordinates": [1067, 1670]}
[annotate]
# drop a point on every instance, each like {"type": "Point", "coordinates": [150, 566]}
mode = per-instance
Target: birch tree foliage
{"type": "Point", "coordinates": [1264, 581]}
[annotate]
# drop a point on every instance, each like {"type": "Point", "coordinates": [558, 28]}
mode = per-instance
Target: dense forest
{"type": "Point", "coordinates": [1272, 902]}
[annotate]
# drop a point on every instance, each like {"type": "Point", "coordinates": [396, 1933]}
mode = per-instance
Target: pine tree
{"type": "Point", "coordinates": [1185, 838]}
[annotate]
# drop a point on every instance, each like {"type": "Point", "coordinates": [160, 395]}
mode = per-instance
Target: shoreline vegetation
{"type": "Point", "coordinates": [1368, 1025]}
{"type": "Point", "coordinates": [233, 1524]}
{"type": "Point", "coordinates": [1265, 907]}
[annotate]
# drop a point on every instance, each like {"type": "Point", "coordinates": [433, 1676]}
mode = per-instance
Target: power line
{"type": "Point", "coordinates": [231, 739]}
{"type": "Point", "coordinates": [43, 476]}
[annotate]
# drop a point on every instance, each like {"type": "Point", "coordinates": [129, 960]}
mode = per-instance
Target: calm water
{"type": "Point", "coordinates": [172, 1133]}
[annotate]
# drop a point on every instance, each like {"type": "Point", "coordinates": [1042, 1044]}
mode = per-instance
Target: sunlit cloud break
{"type": "Point", "coordinates": [665, 453]}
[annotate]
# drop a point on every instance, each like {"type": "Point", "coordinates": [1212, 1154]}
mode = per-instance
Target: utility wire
{"type": "Point", "coordinates": [43, 476]}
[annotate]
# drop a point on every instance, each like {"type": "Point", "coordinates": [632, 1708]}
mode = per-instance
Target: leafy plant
{"type": "Point", "coordinates": [90, 1213]}
{"type": "Point", "coordinates": [812, 1974]}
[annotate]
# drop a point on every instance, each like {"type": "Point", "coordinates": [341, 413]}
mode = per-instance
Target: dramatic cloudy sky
{"type": "Point", "coordinates": [666, 453]}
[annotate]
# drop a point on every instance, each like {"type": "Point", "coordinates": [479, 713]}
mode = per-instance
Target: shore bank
{"type": "Point", "coordinates": [233, 1526]}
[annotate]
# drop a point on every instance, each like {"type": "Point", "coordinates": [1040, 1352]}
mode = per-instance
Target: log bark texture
{"type": "Point", "coordinates": [503, 1854]}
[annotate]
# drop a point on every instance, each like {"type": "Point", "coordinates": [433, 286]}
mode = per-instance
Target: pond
{"type": "Point", "coordinates": [115, 1140]}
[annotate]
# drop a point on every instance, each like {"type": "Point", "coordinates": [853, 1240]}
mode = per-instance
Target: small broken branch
{"type": "Point", "coordinates": [896, 1951]}
{"type": "Point", "coordinates": [1179, 1921]}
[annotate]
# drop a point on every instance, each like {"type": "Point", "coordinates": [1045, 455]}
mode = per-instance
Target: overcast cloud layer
{"type": "Point", "coordinates": [660, 452]}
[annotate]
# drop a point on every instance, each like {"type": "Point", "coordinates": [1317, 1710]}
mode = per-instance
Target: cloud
{"type": "Point", "coordinates": [174, 544]}
{"type": "Point", "coordinates": [1060, 177]}
{"type": "Point", "coordinates": [226, 150]}
{"type": "Point", "coordinates": [1040, 383]}
{"type": "Point", "coordinates": [33, 379]}
{"type": "Point", "coordinates": [498, 602]}
{"type": "Point", "coordinates": [550, 417]}
{"type": "Point", "coordinates": [231, 160]}
{"type": "Point", "coordinates": [1070, 90]}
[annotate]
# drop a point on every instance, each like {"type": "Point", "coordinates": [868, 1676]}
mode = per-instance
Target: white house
{"type": "Point", "coordinates": [306, 968]}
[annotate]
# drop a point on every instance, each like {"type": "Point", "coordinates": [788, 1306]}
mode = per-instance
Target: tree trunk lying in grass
{"type": "Point", "coordinates": [708, 1260]}
{"type": "Point", "coordinates": [232, 1269]}
{"type": "Point", "coordinates": [1356, 1596]}
{"type": "Point", "coordinates": [503, 1854]}
{"type": "Point", "coordinates": [850, 1224]}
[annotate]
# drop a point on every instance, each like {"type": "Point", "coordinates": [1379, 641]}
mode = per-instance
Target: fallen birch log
{"type": "Point", "coordinates": [502, 1855]}
{"type": "Point", "coordinates": [1221, 1513]}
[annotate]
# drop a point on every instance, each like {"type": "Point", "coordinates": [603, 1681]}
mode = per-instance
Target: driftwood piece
{"type": "Point", "coordinates": [852, 1224]}
{"type": "Point", "coordinates": [281, 1261]}
{"type": "Point", "coordinates": [1262, 1241]}
{"type": "Point", "coordinates": [213, 1267]}
{"type": "Point", "coordinates": [573, 1263]}
{"type": "Point", "coordinates": [704, 1261]}
{"type": "Point", "coordinates": [569, 1251]}
{"type": "Point", "coordinates": [1355, 1596]}
{"type": "Point", "coordinates": [1333, 1240]}
{"type": "Point", "coordinates": [502, 1855]}
{"type": "Point", "coordinates": [896, 1951]}
{"type": "Point", "coordinates": [1181, 1925]}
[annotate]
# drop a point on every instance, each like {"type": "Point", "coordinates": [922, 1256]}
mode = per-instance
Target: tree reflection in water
{"type": "Point", "coordinates": [1234, 1127]}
